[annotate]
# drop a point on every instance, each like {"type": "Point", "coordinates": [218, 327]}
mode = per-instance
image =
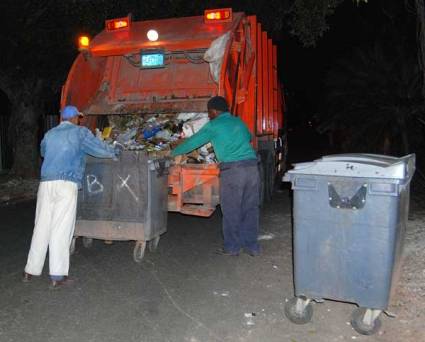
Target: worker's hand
{"type": "Point", "coordinates": [178, 160]}
{"type": "Point", "coordinates": [118, 148]}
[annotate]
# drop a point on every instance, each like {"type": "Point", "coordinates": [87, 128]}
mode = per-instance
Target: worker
{"type": "Point", "coordinates": [64, 149]}
{"type": "Point", "coordinates": [239, 176]}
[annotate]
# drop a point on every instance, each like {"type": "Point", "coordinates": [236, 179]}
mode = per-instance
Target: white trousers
{"type": "Point", "coordinates": [54, 227]}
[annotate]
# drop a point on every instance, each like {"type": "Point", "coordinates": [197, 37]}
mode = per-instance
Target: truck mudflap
{"type": "Point", "coordinates": [193, 189]}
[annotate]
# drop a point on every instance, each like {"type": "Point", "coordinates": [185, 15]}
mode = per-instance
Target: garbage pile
{"type": "Point", "coordinates": [157, 134]}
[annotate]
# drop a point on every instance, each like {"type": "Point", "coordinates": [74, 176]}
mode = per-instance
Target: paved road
{"type": "Point", "coordinates": [183, 292]}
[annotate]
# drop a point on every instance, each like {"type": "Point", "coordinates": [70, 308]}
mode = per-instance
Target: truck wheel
{"type": "Point", "coordinates": [359, 325]}
{"type": "Point", "coordinates": [298, 310]}
{"type": "Point", "coordinates": [72, 246]}
{"type": "Point", "coordinates": [87, 242]}
{"type": "Point", "coordinates": [139, 251]}
{"type": "Point", "coordinates": [153, 244]}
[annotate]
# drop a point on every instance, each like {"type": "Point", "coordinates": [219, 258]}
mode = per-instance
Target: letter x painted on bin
{"type": "Point", "coordinates": [125, 185]}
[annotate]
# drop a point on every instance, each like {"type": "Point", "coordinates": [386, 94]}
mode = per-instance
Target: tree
{"type": "Point", "coordinates": [419, 10]}
{"type": "Point", "coordinates": [374, 97]}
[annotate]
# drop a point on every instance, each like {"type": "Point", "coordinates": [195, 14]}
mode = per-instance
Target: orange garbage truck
{"type": "Point", "coordinates": [175, 66]}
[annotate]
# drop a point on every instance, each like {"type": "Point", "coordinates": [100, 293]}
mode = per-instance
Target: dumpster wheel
{"type": "Point", "coordinates": [139, 251]}
{"type": "Point", "coordinates": [299, 310]}
{"type": "Point", "coordinates": [87, 242]}
{"type": "Point", "coordinates": [365, 321]}
{"type": "Point", "coordinates": [153, 244]}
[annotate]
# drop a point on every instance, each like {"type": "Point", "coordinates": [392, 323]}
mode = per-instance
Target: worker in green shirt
{"type": "Point", "coordinates": [239, 176]}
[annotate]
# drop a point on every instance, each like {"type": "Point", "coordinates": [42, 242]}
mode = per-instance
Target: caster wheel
{"type": "Point", "coordinates": [87, 242]}
{"type": "Point", "coordinates": [72, 246]}
{"type": "Point", "coordinates": [139, 251]}
{"type": "Point", "coordinates": [153, 244]}
{"type": "Point", "coordinates": [358, 323]}
{"type": "Point", "coordinates": [298, 310]}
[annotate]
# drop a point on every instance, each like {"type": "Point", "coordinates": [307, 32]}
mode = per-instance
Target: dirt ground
{"type": "Point", "coordinates": [185, 291]}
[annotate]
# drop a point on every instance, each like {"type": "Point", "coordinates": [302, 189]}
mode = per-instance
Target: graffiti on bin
{"type": "Point", "coordinates": [125, 185]}
{"type": "Point", "coordinates": [93, 185]}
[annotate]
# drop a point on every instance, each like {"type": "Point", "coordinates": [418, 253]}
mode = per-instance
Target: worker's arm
{"type": "Point", "coordinates": [43, 147]}
{"type": "Point", "coordinates": [197, 140]}
{"type": "Point", "coordinates": [94, 146]}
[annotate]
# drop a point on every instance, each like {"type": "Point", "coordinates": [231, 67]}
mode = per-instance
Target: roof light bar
{"type": "Point", "coordinates": [218, 15]}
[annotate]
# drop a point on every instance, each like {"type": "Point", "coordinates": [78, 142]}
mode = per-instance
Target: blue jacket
{"type": "Point", "coordinates": [64, 149]}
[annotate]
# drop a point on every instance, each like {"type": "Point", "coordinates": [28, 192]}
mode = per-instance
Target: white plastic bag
{"type": "Point", "coordinates": [192, 126]}
{"type": "Point", "coordinates": [215, 53]}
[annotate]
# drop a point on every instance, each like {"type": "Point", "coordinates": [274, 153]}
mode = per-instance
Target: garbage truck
{"type": "Point", "coordinates": [174, 66]}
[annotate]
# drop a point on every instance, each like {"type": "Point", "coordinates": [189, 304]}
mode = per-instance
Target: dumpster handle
{"type": "Point", "coordinates": [358, 201]}
{"type": "Point", "coordinates": [161, 167]}
{"type": "Point", "coordinates": [304, 183]}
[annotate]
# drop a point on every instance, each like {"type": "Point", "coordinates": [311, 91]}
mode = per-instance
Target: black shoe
{"type": "Point", "coordinates": [252, 253]}
{"type": "Point", "coordinates": [65, 282]}
{"type": "Point", "coordinates": [222, 251]}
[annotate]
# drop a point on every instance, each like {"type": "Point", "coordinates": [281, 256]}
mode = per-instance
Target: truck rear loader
{"type": "Point", "coordinates": [175, 66]}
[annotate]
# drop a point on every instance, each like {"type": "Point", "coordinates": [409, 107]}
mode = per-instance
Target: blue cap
{"type": "Point", "coordinates": [68, 112]}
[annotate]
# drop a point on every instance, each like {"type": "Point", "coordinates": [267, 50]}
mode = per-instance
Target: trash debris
{"type": "Point", "coordinates": [18, 189]}
{"type": "Point", "coordinates": [193, 126]}
{"type": "Point", "coordinates": [249, 316]}
{"type": "Point", "coordinates": [390, 314]}
{"type": "Point", "coordinates": [222, 294]}
{"type": "Point", "coordinates": [157, 134]}
{"type": "Point", "coordinates": [266, 236]}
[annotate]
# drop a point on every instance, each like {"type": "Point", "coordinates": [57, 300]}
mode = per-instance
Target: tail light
{"type": "Point", "coordinates": [83, 43]}
{"type": "Point", "coordinates": [118, 24]}
{"type": "Point", "coordinates": [218, 15]}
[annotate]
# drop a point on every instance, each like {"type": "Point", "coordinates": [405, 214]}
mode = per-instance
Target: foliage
{"type": "Point", "coordinates": [309, 19]}
{"type": "Point", "coordinates": [375, 99]}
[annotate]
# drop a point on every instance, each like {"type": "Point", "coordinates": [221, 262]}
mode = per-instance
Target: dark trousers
{"type": "Point", "coordinates": [239, 200]}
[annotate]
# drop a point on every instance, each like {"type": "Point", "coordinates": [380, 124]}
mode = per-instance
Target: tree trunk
{"type": "Point", "coordinates": [24, 129]}
{"type": "Point", "coordinates": [420, 20]}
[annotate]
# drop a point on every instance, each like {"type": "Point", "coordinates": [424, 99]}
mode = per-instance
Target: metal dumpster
{"type": "Point", "coordinates": [349, 213]}
{"type": "Point", "coordinates": [123, 200]}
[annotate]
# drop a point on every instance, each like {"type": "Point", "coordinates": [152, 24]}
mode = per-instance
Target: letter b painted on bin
{"type": "Point", "coordinates": [93, 185]}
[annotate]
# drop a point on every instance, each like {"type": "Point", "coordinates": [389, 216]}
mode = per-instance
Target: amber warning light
{"type": "Point", "coordinates": [83, 42]}
{"type": "Point", "coordinates": [118, 24]}
{"type": "Point", "coordinates": [218, 15]}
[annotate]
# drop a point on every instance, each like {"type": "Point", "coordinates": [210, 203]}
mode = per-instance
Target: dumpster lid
{"type": "Point", "coordinates": [358, 165]}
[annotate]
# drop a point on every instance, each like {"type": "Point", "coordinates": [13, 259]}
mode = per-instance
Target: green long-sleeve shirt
{"type": "Point", "coordinates": [228, 135]}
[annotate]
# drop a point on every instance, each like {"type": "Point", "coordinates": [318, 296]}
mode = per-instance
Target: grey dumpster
{"type": "Point", "coordinates": [123, 200]}
{"type": "Point", "coordinates": [349, 213]}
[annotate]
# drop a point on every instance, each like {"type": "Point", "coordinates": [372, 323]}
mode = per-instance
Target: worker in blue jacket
{"type": "Point", "coordinates": [239, 175]}
{"type": "Point", "coordinates": [64, 149]}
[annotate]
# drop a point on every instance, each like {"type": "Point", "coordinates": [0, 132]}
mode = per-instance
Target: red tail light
{"type": "Point", "coordinates": [218, 15]}
{"type": "Point", "coordinates": [118, 23]}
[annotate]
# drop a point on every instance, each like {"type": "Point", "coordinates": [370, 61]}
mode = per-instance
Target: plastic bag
{"type": "Point", "coordinates": [193, 126]}
{"type": "Point", "coordinates": [215, 53]}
